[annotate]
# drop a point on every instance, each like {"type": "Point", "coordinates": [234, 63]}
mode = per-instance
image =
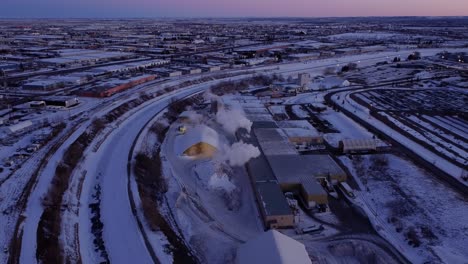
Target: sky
{"type": "Point", "coordinates": [229, 8]}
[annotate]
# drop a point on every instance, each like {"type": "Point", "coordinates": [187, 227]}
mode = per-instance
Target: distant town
{"type": "Point", "coordinates": [228, 140]}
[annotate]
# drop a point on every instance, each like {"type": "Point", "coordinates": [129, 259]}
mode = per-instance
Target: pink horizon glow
{"type": "Point", "coordinates": [236, 8]}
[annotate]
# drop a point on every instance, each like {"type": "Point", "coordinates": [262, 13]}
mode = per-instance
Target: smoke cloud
{"type": "Point", "coordinates": [233, 119]}
{"type": "Point", "coordinates": [208, 96]}
{"type": "Point", "coordinates": [194, 116]}
{"type": "Point", "coordinates": [240, 153]}
{"type": "Point", "coordinates": [221, 181]}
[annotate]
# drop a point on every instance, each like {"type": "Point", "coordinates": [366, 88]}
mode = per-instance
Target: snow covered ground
{"type": "Point", "coordinates": [404, 198]}
{"type": "Point", "coordinates": [363, 113]}
{"type": "Point", "coordinates": [299, 112]}
{"type": "Point", "coordinates": [210, 217]}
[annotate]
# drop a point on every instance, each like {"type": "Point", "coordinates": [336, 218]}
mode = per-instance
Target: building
{"type": "Point", "coordinates": [37, 104]}
{"type": "Point", "coordinates": [301, 133]}
{"type": "Point", "coordinates": [321, 166]}
{"type": "Point", "coordinates": [275, 210]}
{"type": "Point", "coordinates": [112, 87]}
{"type": "Point", "coordinates": [44, 85]}
{"type": "Point", "coordinates": [301, 174]}
{"type": "Point", "coordinates": [167, 72]}
{"type": "Point", "coordinates": [209, 68]}
{"type": "Point", "coordinates": [261, 49]}
{"type": "Point", "coordinates": [272, 247]}
{"type": "Point", "coordinates": [273, 141]}
{"type": "Point", "coordinates": [358, 145]}
{"type": "Point", "coordinates": [187, 70]}
{"type": "Point", "coordinates": [278, 112]}
{"type": "Point", "coordinates": [303, 79]}
{"type": "Point", "coordinates": [64, 101]}
{"type": "Point", "coordinates": [68, 57]}
{"type": "Point", "coordinates": [197, 141]}
{"type": "Point", "coordinates": [19, 127]}
{"type": "Point", "coordinates": [304, 56]}
{"type": "Point", "coordinates": [330, 82]}
{"type": "Point", "coordinates": [271, 201]}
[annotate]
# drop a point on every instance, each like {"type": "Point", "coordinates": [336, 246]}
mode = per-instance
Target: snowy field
{"type": "Point", "coordinates": [412, 205]}
{"type": "Point", "coordinates": [362, 112]}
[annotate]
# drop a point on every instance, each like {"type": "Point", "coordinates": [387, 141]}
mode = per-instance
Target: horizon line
{"type": "Point", "coordinates": [233, 17]}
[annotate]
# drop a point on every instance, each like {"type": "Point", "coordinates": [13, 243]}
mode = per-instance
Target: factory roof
{"type": "Point", "coordinates": [291, 167]}
{"type": "Point", "coordinates": [359, 144]}
{"type": "Point", "coordinates": [300, 133]}
{"type": "Point", "coordinates": [44, 82]}
{"type": "Point", "coordinates": [255, 110]}
{"type": "Point", "coordinates": [272, 199]}
{"type": "Point", "coordinates": [298, 128]}
{"type": "Point", "coordinates": [259, 117]}
{"type": "Point", "coordinates": [264, 124]}
{"type": "Point", "coordinates": [19, 126]}
{"type": "Point", "coordinates": [260, 170]}
{"type": "Point", "coordinates": [274, 141]}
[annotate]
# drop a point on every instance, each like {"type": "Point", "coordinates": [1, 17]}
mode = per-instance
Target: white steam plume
{"type": "Point", "coordinates": [194, 116]}
{"type": "Point", "coordinates": [233, 119]}
{"type": "Point", "coordinates": [240, 153]}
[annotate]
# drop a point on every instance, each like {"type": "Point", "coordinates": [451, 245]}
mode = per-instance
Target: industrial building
{"type": "Point", "coordinates": [280, 168]}
{"type": "Point", "coordinates": [304, 56]}
{"type": "Point", "coordinates": [63, 101]}
{"type": "Point", "coordinates": [272, 247]}
{"type": "Point", "coordinates": [68, 57]}
{"type": "Point", "coordinates": [276, 212]}
{"type": "Point", "coordinates": [18, 127]}
{"type": "Point", "coordinates": [301, 175]}
{"type": "Point", "coordinates": [300, 132]}
{"type": "Point", "coordinates": [166, 72]}
{"type": "Point", "coordinates": [358, 145]}
{"type": "Point", "coordinates": [273, 141]}
{"type": "Point", "coordinates": [44, 85]}
{"type": "Point", "coordinates": [110, 88]}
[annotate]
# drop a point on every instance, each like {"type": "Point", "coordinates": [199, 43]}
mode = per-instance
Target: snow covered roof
{"type": "Point", "coordinates": [195, 135]}
{"type": "Point", "coordinates": [271, 199]}
{"type": "Point", "coordinates": [272, 247]}
{"type": "Point", "coordinates": [359, 144]}
{"type": "Point", "coordinates": [274, 141]}
{"type": "Point", "coordinates": [256, 117]}
{"type": "Point", "coordinates": [298, 128]}
{"type": "Point", "coordinates": [19, 126]}
{"type": "Point", "coordinates": [290, 168]}
{"type": "Point", "coordinates": [332, 82]}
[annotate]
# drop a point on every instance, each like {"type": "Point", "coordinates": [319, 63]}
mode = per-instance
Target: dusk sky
{"type": "Point", "coordinates": [232, 8]}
